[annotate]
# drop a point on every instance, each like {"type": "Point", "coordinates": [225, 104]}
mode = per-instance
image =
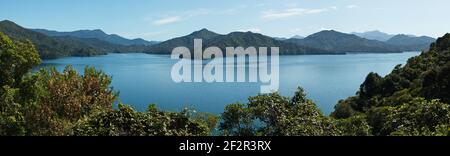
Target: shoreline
{"type": "Point", "coordinates": [309, 54]}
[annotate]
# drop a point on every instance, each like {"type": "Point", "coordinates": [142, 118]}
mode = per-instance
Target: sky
{"type": "Point", "coordinates": [164, 19]}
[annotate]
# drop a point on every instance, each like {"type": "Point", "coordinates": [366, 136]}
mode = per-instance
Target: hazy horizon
{"type": "Point", "coordinates": [162, 20]}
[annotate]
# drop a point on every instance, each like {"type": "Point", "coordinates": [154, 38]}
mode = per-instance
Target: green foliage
{"type": "Point", "coordinates": [377, 117]}
{"type": "Point", "coordinates": [425, 76]}
{"type": "Point", "coordinates": [275, 115]}
{"type": "Point", "coordinates": [61, 99]}
{"type": "Point", "coordinates": [410, 100]}
{"type": "Point", "coordinates": [127, 122]}
{"type": "Point", "coordinates": [237, 121]}
{"type": "Point", "coordinates": [419, 117]}
{"type": "Point", "coordinates": [52, 103]}
{"type": "Point", "coordinates": [12, 121]}
{"type": "Point", "coordinates": [442, 44]}
{"type": "Point", "coordinates": [354, 126]}
{"type": "Point", "coordinates": [344, 109]}
{"type": "Point", "coordinates": [16, 59]}
{"type": "Point", "coordinates": [436, 84]}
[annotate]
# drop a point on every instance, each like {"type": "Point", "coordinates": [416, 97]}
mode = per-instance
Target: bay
{"type": "Point", "coordinates": [143, 79]}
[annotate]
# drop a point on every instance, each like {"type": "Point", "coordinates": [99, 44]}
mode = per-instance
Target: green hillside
{"type": "Point", "coordinates": [49, 47]}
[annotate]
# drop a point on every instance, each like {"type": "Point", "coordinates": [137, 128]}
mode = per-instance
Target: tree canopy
{"type": "Point", "coordinates": [411, 100]}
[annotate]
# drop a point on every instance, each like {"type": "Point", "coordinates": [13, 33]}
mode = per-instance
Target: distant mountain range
{"type": "Point", "coordinates": [97, 34]}
{"type": "Point", "coordinates": [49, 47]}
{"type": "Point", "coordinates": [331, 40]}
{"type": "Point", "coordinates": [406, 42]}
{"type": "Point", "coordinates": [234, 39]}
{"type": "Point", "coordinates": [297, 37]}
{"type": "Point", "coordinates": [374, 35]}
{"type": "Point", "coordinates": [283, 38]}
{"type": "Point", "coordinates": [53, 44]}
{"type": "Point", "coordinates": [324, 42]}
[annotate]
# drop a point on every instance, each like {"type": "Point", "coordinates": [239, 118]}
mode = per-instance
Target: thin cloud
{"type": "Point", "coordinates": [352, 6]}
{"type": "Point", "coordinates": [293, 12]}
{"type": "Point", "coordinates": [182, 16]}
{"type": "Point", "coordinates": [296, 30]}
{"type": "Point", "coordinates": [167, 20]}
{"type": "Point", "coordinates": [197, 12]}
{"type": "Point", "coordinates": [232, 11]}
{"type": "Point", "coordinates": [260, 4]}
{"type": "Point", "coordinates": [175, 17]}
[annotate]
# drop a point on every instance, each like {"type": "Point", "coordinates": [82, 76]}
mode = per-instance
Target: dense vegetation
{"type": "Point", "coordinates": [275, 115]}
{"type": "Point", "coordinates": [412, 100]}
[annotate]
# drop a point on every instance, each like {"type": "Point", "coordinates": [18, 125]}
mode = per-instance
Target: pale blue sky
{"type": "Point", "coordinates": [165, 19]}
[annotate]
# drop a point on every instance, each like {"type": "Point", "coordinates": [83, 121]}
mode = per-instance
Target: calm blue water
{"type": "Point", "coordinates": [143, 79]}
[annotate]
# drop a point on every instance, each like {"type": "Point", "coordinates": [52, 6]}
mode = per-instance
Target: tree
{"type": "Point", "coordinates": [344, 109]}
{"type": "Point", "coordinates": [275, 115]}
{"type": "Point", "coordinates": [12, 121]}
{"type": "Point", "coordinates": [442, 44]}
{"type": "Point", "coordinates": [16, 59]}
{"type": "Point", "coordinates": [436, 84]}
{"type": "Point", "coordinates": [237, 121]}
{"type": "Point", "coordinates": [61, 99]}
{"type": "Point", "coordinates": [353, 126]}
{"type": "Point", "coordinates": [420, 117]}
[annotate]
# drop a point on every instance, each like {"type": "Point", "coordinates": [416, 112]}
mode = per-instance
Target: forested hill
{"type": "Point", "coordinates": [411, 43]}
{"type": "Point", "coordinates": [234, 39]}
{"type": "Point", "coordinates": [408, 101]}
{"type": "Point", "coordinates": [49, 47]}
{"type": "Point", "coordinates": [340, 42]}
{"type": "Point", "coordinates": [247, 39]}
{"type": "Point", "coordinates": [97, 34]}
